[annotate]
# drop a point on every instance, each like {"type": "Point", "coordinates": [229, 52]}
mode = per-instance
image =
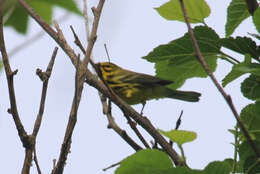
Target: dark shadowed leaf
{"type": "Point", "coordinates": [176, 60]}
{"type": "Point", "coordinates": [251, 87]}
{"type": "Point", "coordinates": [242, 45]}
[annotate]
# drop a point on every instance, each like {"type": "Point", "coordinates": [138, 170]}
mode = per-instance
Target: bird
{"type": "Point", "coordinates": [137, 88]}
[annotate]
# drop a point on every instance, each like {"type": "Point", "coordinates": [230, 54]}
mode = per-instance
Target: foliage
{"type": "Point", "coordinates": [19, 18]}
{"type": "Point", "coordinates": [176, 61]}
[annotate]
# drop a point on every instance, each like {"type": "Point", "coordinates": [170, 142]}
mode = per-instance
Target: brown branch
{"type": "Point", "coordinates": [27, 141]}
{"type": "Point", "coordinates": [251, 6]}
{"type": "Point", "coordinates": [36, 161]}
{"type": "Point", "coordinates": [65, 148]}
{"type": "Point", "coordinates": [112, 124]}
{"type": "Point", "coordinates": [227, 97]}
{"type": "Point", "coordinates": [137, 132]}
{"type": "Point", "coordinates": [44, 76]}
{"type": "Point", "coordinates": [92, 80]}
{"type": "Point", "coordinates": [93, 35]}
{"type": "Point", "coordinates": [10, 80]}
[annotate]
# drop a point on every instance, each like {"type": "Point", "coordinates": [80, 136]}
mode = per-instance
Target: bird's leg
{"type": "Point", "coordinates": [143, 105]}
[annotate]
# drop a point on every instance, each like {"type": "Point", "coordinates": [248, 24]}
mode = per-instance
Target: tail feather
{"type": "Point", "coordinates": [189, 96]}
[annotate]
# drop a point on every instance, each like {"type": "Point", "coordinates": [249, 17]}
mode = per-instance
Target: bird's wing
{"type": "Point", "coordinates": [134, 77]}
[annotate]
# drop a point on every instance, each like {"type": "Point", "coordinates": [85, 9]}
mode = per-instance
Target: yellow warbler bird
{"type": "Point", "coordinates": [135, 88]}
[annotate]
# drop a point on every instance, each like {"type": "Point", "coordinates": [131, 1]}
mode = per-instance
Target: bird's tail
{"type": "Point", "coordinates": [189, 96]}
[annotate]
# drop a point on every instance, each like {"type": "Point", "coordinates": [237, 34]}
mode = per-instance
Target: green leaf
{"type": "Point", "coordinates": [231, 164]}
{"type": "Point", "coordinates": [250, 116]}
{"type": "Point", "coordinates": [69, 5]}
{"type": "Point", "coordinates": [236, 13]}
{"type": "Point", "coordinates": [241, 69]}
{"type": "Point", "coordinates": [242, 45]}
{"type": "Point", "coordinates": [180, 136]}
{"type": "Point", "coordinates": [145, 162]}
{"type": "Point", "coordinates": [44, 9]}
{"type": "Point", "coordinates": [256, 18]}
{"type": "Point", "coordinates": [218, 167]}
{"type": "Point", "coordinates": [246, 154]}
{"type": "Point", "coordinates": [254, 163]}
{"type": "Point", "coordinates": [176, 60]}
{"type": "Point", "coordinates": [19, 18]}
{"type": "Point", "coordinates": [250, 87]}
{"type": "Point", "coordinates": [197, 10]}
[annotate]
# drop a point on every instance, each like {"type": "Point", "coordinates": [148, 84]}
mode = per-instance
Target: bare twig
{"type": "Point", "coordinates": [137, 132]}
{"type": "Point", "coordinates": [44, 76]}
{"type": "Point", "coordinates": [112, 124]}
{"type": "Point", "coordinates": [178, 122]}
{"type": "Point", "coordinates": [108, 57]}
{"type": "Point", "coordinates": [36, 161]}
{"type": "Point", "coordinates": [10, 78]}
{"type": "Point", "coordinates": [227, 97]}
{"type": "Point", "coordinates": [113, 165]}
{"type": "Point", "coordinates": [65, 149]}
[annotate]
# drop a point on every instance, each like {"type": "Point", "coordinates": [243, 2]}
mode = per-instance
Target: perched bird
{"type": "Point", "coordinates": [135, 88]}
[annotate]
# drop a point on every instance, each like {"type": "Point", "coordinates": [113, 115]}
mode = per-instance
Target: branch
{"type": "Point", "coordinates": [10, 80]}
{"type": "Point", "coordinates": [44, 76]}
{"type": "Point", "coordinates": [112, 124]}
{"type": "Point", "coordinates": [227, 97]}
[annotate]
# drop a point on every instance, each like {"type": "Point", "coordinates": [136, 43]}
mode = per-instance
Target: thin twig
{"type": "Point", "coordinates": [65, 149]}
{"type": "Point", "coordinates": [113, 165]}
{"type": "Point", "coordinates": [10, 81]}
{"type": "Point", "coordinates": [108, 57]}
{"type": "Point", "coordinates": [112, 124]}
{"type": "Point", "coordinates": [234, 166]}
{"type": "Point", "coordinates": [27, 141]}
{"type": "Point", "coordinates": [178, 123]}
{"type": "Point", "coordinates": [36, 161]}
{"type": "Point", "coordinates": [44, 76]}
{"type": "Point", "coordinates": [137, 132]}
{"type": "Point", "coordinates": [93, 35]}
{"type": "Point", "coordinates": [227, 97]}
